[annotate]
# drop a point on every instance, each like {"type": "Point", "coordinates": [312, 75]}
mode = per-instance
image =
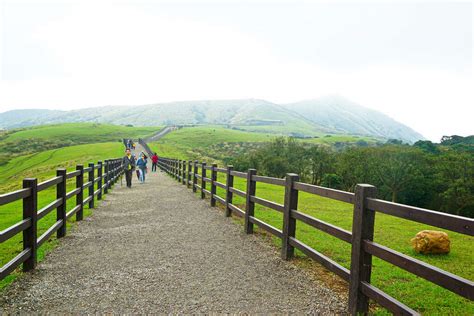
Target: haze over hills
{"type": "Point", "coordinates": [347, 117]}
{"type": "Point", "coordinates": [328, 115]}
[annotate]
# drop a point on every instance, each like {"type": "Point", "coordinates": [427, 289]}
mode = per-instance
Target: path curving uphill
{"type": "Point", "coordinates": [156, 248]}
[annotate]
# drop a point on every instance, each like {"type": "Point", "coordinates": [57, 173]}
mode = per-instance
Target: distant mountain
{"type": "Point", "coordinates": [347, 117]}
{"type": "Point", "coordinates": [307, 118]}
{"type": "Point", "coordinates": [30, 117]}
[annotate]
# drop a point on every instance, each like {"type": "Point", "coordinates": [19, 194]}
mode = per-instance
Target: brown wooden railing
{"type": "Point", "coordinates": [195, 175]}
{"type": "Point", "coordinates": [88, 186]}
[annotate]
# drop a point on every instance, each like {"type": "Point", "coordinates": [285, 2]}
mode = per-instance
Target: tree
{"type": "Point", "coordinates": [321, 161]}
{"type": "Point", "coordinates": [456, 176]}
{"type": "Point", "coordinates": [397, 168]}
{"type": "Point", "coordinates": [427, 146]}
{"type": "Point", "coordinates": [353, 167]}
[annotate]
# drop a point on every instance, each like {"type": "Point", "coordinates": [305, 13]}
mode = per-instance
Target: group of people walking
{"type": "Point", "coordinates": [131, 163]}
{"type": "Point", "coordinates": [130, 144]}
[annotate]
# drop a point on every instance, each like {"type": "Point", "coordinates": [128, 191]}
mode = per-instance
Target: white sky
{"type": "Point", "coordinates": [410, 60]}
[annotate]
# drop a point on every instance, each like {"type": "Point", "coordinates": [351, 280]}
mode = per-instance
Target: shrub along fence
{"type": "Point", "coordinates": [190, 173]}
{"type": "Point", "coordinates": [103, 174]}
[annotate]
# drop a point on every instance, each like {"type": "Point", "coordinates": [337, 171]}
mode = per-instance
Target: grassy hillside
{"type": "Point", "coordinates": [390, 231]}
{"type": "Point", "coordinates": [348, 117]}
{"type": "Point", "coordinates": [83, 132]}
{"type": "Point", "coordinates": [219, 143]}
{"type": "Point", "coordinates": [41, 138]}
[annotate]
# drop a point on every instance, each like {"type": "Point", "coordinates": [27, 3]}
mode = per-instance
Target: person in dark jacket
{"type": "Point", "coordinates": [128, 165]}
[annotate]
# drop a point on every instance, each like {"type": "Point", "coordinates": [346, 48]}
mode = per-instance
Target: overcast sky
{"type": "Point", "coordinates": [410, 60]}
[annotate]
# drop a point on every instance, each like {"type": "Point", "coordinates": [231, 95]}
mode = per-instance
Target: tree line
{"type": "Point", "coordinates": [425, 174]}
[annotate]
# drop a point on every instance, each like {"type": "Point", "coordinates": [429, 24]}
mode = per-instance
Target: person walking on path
{"type": "Point", "coordinates": [128, 164]}
{"type": "Point", "coordinates": [154, 160]}
{"type": "Point", "coordinates": [141, 164]}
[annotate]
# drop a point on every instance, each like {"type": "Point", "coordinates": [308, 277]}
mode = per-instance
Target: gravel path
{"type": "Point", "coordinates": [156, 248]}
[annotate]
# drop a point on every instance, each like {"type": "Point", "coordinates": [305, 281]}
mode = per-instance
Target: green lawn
{"type": "Point", "coordinates": [390, 231]}
{"type": "Point", "coordinates": [43, 166]}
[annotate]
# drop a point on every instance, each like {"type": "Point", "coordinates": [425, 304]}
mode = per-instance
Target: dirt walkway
{"type": "Point", "coordinates": [156, 248]}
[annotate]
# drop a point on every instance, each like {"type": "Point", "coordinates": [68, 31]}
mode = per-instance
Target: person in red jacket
{"type": "Point", "coordinates": [154, 160]}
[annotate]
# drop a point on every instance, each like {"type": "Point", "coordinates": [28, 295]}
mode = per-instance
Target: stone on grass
{"type": "Point", "coordinates": [431, 242]}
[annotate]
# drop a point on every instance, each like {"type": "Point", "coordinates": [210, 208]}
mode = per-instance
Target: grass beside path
{"type": "Point", "coordinates": [396, 233]}
{"type": "Point", "coordinates": [43, 166]}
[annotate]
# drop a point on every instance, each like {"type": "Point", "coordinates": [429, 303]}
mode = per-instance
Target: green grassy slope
{"type": "Point", "coordinates": [85, 132]}
{"type": "Point", "coordinates": [390, 231]}
{"type": "Point", "coordinates": [217, 142]}
{"type": "Point", "coordinates": [41, 138]}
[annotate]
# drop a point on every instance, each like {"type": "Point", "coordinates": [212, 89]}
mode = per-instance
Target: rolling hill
{"type": "Point", "coordinates": [331, 115]}
{"type": "Point", "coordinates": [346, 117]}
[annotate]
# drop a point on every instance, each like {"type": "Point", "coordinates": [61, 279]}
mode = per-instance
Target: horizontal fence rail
{"type": "Point", "coordinates": [101, 177]}
{"type": "Point", "coordinates": [201, 175]}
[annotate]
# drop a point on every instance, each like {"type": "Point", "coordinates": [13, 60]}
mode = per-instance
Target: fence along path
{"type": "Point", "coordinates": [90, 183]}
{"type": "Point", "coordinates": [155, 248]}
{"type": "Point", "coordinates": [203, 178]}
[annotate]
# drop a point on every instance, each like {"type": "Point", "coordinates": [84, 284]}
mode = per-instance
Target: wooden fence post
{"type": "Point", "coordinates": [80, 195]}
{"type": "Point", "coordinates": [114, 171]}
{"type": "Point", "coordinates": [30, 209]}
{"type": "Point", "coordinates": [289, 223]}
{"type": "Point", "coordinates": [111, 173]}
{"type": "Point", "coordinates": [61, 209]}
{"type": "Point", "coordinates": [361, 261]}
{"type": "Point", "coordinates": [178, 171]}
{"type": "Point", "coordinates": [99, 175]}
{"type": "Point", "coordinates": [229, 195]}
{"type": "Point", "coordinates": [203, 183]}
{"type": "Point", "coordinates": [213, 185]}
{"type": "Point", "coordinates": [106, 176]}
{"type": "Point", "coordinates": [250, 205]}
{"type": "Point", "coordinates": [175, 167]}
{"type": "Point", "coordinates": [195, 171]}
{"type": "Point", "coordinates": [188, 174]}
{"type": "Point", "coordinates": [91, 187]}
{"type": "Point", "coordinates": [183, 176]}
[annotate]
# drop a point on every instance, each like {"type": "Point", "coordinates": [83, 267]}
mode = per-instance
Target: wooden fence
{"type": "Point", "coordinates": [86, 190]}
{"type": "Point", "coordinates": [190, 173]}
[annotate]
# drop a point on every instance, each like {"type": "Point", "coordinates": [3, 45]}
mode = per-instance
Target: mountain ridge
{"type": "Point", "coordinates": [326, 115]}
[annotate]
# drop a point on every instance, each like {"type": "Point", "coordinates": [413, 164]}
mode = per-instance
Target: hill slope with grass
{"type": "Point", "coordinates": [35, 139]}
{"type": "Point", "coordinates": [222, 144]}
{"type": "Point", "coordinates": [347, 117]}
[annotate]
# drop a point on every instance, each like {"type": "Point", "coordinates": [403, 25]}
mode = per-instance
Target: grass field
{"type": "Point", "coordinates": [390, 231]}
{"type": "Point", "coordinates": [43, 165]}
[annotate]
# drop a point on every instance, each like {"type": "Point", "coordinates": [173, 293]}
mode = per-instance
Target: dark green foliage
{"type": "Point", "coordinates": [427, 146]}
{"type": "Point", "coordinates": [459, 142]}
{"type": "Point", "coordinates": [435, 176]}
